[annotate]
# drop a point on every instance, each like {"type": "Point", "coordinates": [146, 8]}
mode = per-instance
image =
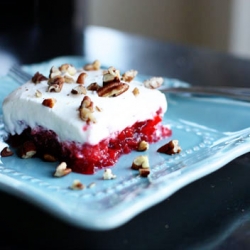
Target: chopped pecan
{"type": "Point", "coordinates": [128, 76]}
{"type": "Point", "coordinates": [56, 84]}
{"type": "Point", "coordinates": [79, 90]}
{"type": "Point", "coordinates": [68, 79]}
{"type": "Point", "coordinates": [108, 175]}
{"type": "Point", "coordinates": [54, 71]}
{"type": "Point", "coordinates": [154, 82]}
{"type": "Point", "coordinates": [93, 66]}
{"type": "Point", "coordinates": [6, 152]}
{"type": "Point", "coordinates": [67, 68]}
{"type": "Point", "coordinates": [140, 162]}
{"type": "Point", "coordinates": [77, 185]}
{"type": "Point", "coordinates": [136, 91]}
{"type": "Point", "coordinates": [62, 170]}
{"type": "Point", "coordinates": [50, 102]}
{"type": "Point", "coordinates": [37, 78]}
{"type": "Point", "coordinates": [93, 86]}
{"type": "Point", "coordinates": [112, 89]}
{"type": "Point", "coordinates": [28, 150]}
{"type": "Point", "coordinates": [170, 148]}
{"type": "Point", "coordinates": [81, 78]}
{"type": "Point", "coordinates": [144, 172]}
{"type": "Point", "coordinates": [111, 75]}
{"type": "Point", "coordinates": [86, 115]}
{"type": "Point", "coordinates": [87, 103]}
{"type": "Point", "coordinates": [143, 146]}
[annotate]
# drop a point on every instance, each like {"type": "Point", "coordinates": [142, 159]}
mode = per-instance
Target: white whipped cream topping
{"type": "Point", "coordinates": [22, 109]}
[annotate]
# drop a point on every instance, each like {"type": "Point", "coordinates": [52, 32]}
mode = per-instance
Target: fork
{"type": "Point", "coordinates": [240, 93]}
{"type": "Point", "coordinates": [18, 74]}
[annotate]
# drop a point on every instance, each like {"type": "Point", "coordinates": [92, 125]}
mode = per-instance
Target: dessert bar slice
{"type": "Point", "coordinates": [86, 117]}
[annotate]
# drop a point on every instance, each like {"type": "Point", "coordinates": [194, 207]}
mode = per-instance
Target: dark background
{"type": "Point", "coordinates": [41, 29]}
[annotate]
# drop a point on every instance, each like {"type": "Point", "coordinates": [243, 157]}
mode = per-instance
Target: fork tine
{"type": "Point", "coordinates": [16, 73]}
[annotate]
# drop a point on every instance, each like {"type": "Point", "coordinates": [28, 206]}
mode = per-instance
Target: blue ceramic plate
{"type": "Point", "coordinates": [211, 131]}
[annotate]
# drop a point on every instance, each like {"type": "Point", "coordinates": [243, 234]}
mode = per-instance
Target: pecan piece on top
{"type": "Point", "coordinates": [68, 79]}
{"type": "Point", "coordinates": [111, 75]}
{"type": "Point", "coordinates": [154, 82]}
{"type": "Point", "coordinates": [112, 89]}
{"type": "Point", "coordinates": [54, 71]}
{"type": "Point", "coordinates": [108, 175]}
{"type": "Point", "coordinates": [87, 103]}
{"type": "Point", "coordinates": [67, 68]}
{"type": "Point", "coordinates": [79, 90]}
{"type": "Point", "coordinates": [128, 76]}
{"type": "Point", "coordinates": [94, 86]}
{"type": "Point", "coordinates": [49, 102]}
{"type": "Point", "coordinates": [86, 110]}
{"type": "Point", "coordinates": [81, 78]}
{"type": "Point", "coordinates": [92, 66]}
{"type": "Point", "coordinates": [56, 84]}
{"type": "Point", "coordinates": [37, 78]}
{"type": "Point", "coordinates": [136, 91]}
{"type": "Point", "coordinates": [170, 148]}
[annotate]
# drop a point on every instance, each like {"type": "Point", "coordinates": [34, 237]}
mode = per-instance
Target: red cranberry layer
{"type": "Point", "coordinates": [87, 158]}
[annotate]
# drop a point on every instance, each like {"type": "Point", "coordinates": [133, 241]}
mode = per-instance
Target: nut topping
{"type": "Point", "coordinates": [6, 152]}
{"type": "Point", "coordinates": [108, 175]}
{"type": "Point", "coordinates": [136, 91]}
{"type": "Point", "coordinates": [128, 76]}
{"type": "Point", "coordinates": [62, 170]}
{"type": "Point", "coordinates": [77, 185]}
{"type": "Point", "coordinates": [111, 75]}
{"type": "Point", "coordinates": [81, 78]}
{"type": "Point", "coordinates": [87, 103]}
{"type": "Point", "coordinates": [68, 79]}
{"type": "Point", "coordinates": [56, 84]}
{"type": "Point", "coordinates": [140, 162]}
{"type": "Point", "coordinates": [79, 90]}
{"type": "Point", "coordinates": [170, 148]}
{"type": "Point", "coordinates": [54, 71]}
{"type": "Point", "coordinates": [93, 66]}
{"type": "Point", "coordinates": [154, 82]}
{"type": "Point", "coordinates": [67, 68]}
{"type": "Point", "coordinates": [144, 172]}
{"type": "Point", "coordinates": [86, 109]}
{"type": "Point", "coordinates": [86, 115]}
{"type": "Point", "coordinates": [37, 78]}
{"type": "Point", "coordinates": [50, 102]}
{"type": "Point", "coordinates": [112, 89]}
{"type": "Point", "coordinates": [27, 150]}
{"type": "Point", "coordinates": [93, 86]}
{"type": "Point", "coordinates": [143, 146]}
